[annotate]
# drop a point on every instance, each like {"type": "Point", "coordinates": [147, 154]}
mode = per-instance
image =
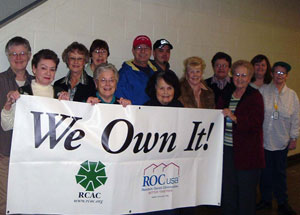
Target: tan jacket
{"type": "Point", "coordinates": [187, 98]}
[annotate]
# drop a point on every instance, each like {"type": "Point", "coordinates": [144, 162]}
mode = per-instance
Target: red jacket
{"type": "Point", "coordinates": [248, 131]}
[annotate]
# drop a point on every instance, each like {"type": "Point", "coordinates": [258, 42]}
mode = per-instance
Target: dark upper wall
{"type": "Point", "coordinates": [10, 9]}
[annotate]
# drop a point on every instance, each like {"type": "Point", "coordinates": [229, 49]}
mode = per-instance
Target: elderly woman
{"type": "Point", "coordinates": [106, 78]}
{"type": "Point", "coordinates": [44, 65]}
{"type": "Point", "coordinates": [262, 71]}
{"type": "Point", "coordinates": [194, 91]}
{"type": "Point", "coordinates": [77, 83]}
{"type": "Point", "coordinates": [243, 156]}
{"type": "Point", "coordinates": [163, 89]}
{"type": "Point", "coordinates": [99, 52]}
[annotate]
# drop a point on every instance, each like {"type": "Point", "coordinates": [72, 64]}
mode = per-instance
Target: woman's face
{"type": "Point", "coordinates": [107, 84]}
{"type": "Point", "coordinates": [18, 57]}
{"type": "Point", "coordinates": [241, 77]}
{"type": "Point", "coordinates": [260, 69]}
{"type": "Point", "coordinates": [44, 72]}
{"type": "Point", "coordinates": [194, 75]}
{"type": "Point", "coordinates": [76, 62]}
{"type": "Point", "coordinates": [164, 92]}
{"type": "Point", "coordinates": [99, 56]}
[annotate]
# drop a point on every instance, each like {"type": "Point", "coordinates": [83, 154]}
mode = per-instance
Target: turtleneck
{"type": "Point", "coordinates": [42, 90]}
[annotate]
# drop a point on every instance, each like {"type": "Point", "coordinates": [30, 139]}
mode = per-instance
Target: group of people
{"type": "Point", "coordinates": [261, 112]}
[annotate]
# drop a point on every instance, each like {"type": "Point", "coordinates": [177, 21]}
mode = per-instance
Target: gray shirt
{"type": "Point", "coordinates": [8, 83]}
{"type": "Point", "coordinates": [278, 132]}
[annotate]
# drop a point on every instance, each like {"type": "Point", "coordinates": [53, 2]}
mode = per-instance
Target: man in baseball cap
{"type": "Point", "coordinates": [161, 53]}
{"type": "Point", "coordinates": [134, 74]}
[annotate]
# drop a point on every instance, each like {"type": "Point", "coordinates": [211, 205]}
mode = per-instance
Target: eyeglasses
{"type": "Point", "coordinates": [100, 51]}
{"type": "Point", "coordinates": [280, 73]}
{"type": "Point", "coordinates": [103, 81]}
{"type": "Point", "coordinates": [243, 75]}
{"type": "Point", "coordinates": [223, 66]}
{"type": "Point", "coordinates": [15, 55]}
{"type": "Point", "coordinates": [74, 59]}
{"type": "Point", "coordinates": [144, 48]}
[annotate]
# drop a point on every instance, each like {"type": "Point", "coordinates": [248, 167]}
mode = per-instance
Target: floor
{"type": "Point", "coordinates": [293, 180]}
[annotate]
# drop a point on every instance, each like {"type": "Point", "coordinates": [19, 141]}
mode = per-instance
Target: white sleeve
{"type": "Point", "coordinates": [294, 132]}
{"type": "Point", "coordinates": [7, 118]}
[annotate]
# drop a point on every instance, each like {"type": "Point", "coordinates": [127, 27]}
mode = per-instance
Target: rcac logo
{"type": "Point", "coordinates": [91, 175]}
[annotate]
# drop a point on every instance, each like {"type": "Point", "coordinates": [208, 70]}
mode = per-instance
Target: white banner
{"type": "Point", "coordinates": [75, 158]}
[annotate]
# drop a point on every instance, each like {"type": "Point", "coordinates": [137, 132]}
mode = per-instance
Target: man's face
{"type": "Point", "coordinates": [141, 54]}
{"type": "Point", "coordinates": [221, 68]}
{"type": "Point", "coordinates": [162, 55]}
{"type": "Point", "coordinates": [18, 57]}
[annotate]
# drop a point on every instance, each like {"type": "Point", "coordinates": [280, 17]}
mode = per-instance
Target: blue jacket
{"type": "Point", "coordinates": [132, 83]}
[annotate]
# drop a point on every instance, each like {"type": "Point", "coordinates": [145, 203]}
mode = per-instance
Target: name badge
{"type": "Point", "coordinates": [275, 115]}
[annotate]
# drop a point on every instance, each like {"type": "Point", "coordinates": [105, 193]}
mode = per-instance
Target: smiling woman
{"type": "Point", "coordinates": [106, 78]}
{"type": "Point", "coordinates": [99, 52]}
{"type": "Point", "coordinates": [44, 65]}
{"type": "Point", "coordinates": [243, 156]}
{"type": "Point", "coordinates": [194, 91]}
{"type": "Point", "coordinates": [77, 82]}
{"type": "Point", "coordinates": [163, 90]}
{"type": "Point", "coordinates": [262, 71]}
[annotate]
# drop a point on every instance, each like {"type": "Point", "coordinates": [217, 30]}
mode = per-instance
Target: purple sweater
{"type": "Point", "coordinates": [248, 131]}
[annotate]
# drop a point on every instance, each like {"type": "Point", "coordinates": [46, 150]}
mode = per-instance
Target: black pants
{"type": "Point", "coordinates": [273, 178]}
{"type": "Point", "coordinates": [238, 187]}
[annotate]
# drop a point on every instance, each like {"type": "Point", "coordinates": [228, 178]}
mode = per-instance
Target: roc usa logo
{"type": "Point", "coordinates": [161, 178]}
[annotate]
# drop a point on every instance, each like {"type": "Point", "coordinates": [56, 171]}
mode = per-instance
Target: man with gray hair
{"type": "Point", "coordinates": [18, 52]}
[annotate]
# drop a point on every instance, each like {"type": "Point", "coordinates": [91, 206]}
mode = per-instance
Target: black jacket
{"type": "Point", "coordinates": [83, 90]}
{"type": "Point", "coordinates": [227, 91]}
{"type": "Point", "coordinates": [155, 102]}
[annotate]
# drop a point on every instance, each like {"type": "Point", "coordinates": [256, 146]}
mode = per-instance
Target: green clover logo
{"type": "Point", "coordinates": [91, 175]}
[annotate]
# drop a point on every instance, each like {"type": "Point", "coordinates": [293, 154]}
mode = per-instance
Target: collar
{"type": "Point", "coordinates": [202, 85]}
{"type": "Point", "coordinates": [102, 101]}
{"type": "Point", "coordinates": [83, 78]}
{"type": "Point", "coordinates": [158, 66]}
{"type": "Point", "coordinates": [131, 64]}
{"type": "Point", "coordinates": [12, 75]}
{"type": "Point", "coordinates": [220, 83]}
{"type": "Point", "coordinates": [284, 89]}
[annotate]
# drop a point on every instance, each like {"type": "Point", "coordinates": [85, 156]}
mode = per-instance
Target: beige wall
{"type": "Point", "coordinates": [195, 27]}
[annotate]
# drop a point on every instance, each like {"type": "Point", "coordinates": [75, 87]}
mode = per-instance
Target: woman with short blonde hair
{"type": "Point", "coordinates": [194, 91]}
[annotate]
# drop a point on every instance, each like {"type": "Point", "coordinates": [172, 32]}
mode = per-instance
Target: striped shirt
{"type": "Point", "coordinates": [228, 141]}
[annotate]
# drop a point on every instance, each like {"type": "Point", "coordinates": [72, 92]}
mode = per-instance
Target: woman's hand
{"type": "Point", "coordinates": [93, 100]}
{"type": "Point", "coordinates": [64, 96]}
{"type": "Point", "coordinates": [228, 113]}
{"type": "Point", "coordinates": [124, 102]}
{"type": "Point", "coordinates": [11, 98]}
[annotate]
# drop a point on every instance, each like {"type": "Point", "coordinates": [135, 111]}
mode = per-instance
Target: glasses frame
{"type": "Point", "coordinates": [20, 55]}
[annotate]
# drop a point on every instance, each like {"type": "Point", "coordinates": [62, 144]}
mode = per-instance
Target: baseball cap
{"type": "Point", "coordinates": [283, 64]}
{"type": "Point", "coordinates": [142, 39]}
{"type": "Point", "coordinates": [161, 43]}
